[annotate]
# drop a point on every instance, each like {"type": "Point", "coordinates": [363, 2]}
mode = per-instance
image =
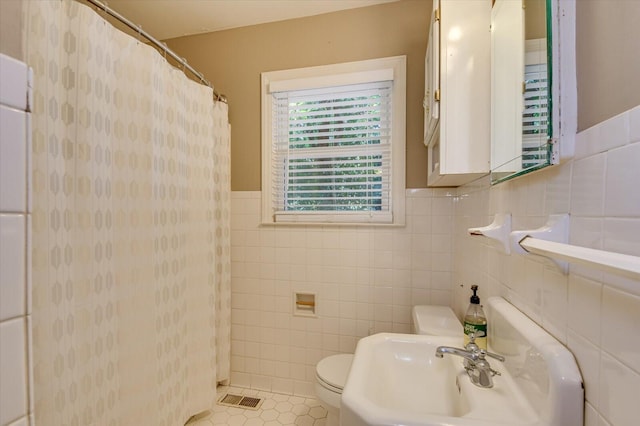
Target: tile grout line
{"type": "Point", "coordinates": [277, 409]}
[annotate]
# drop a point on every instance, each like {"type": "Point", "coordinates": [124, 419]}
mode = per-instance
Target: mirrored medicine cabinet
{"type": "Point", "coordinates": [520, 119]}
{"type": "Point", "coordinates": [526, 74]}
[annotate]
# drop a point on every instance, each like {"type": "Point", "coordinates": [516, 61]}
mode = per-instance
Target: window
{"type": "Point", "coordinates": [333, 143]}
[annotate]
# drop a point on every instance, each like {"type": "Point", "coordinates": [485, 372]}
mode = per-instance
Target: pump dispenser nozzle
{"type": "Point", "coordinates": [474, 298]}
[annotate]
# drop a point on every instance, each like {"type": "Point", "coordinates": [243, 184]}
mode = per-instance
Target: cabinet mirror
{"type": "Point", "coordinates": [521, 102]}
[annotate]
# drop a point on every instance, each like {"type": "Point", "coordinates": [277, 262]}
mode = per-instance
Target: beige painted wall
{"type": "Point", "coordinates": [608, 58]}
{"type": "Point", "coordinates": [608, 42]}
{"type": "Point", "coordinates": [535, 15]}
{"type": "Point", "coordinates": [11, 28]}
{"type": "Point", "coordinates": [233, 60]}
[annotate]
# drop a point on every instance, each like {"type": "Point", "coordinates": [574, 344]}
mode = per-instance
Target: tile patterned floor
{"type": "Point", "coordinates": [277, 409]}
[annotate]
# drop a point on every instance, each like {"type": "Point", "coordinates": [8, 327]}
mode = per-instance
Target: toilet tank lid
{"type": "Point", "coordinates": [334, 369]}
{"type": "Point", "coordinates": [436, 321]}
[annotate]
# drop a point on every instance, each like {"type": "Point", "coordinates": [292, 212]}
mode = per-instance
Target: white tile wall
{"type": "Point", "coordinates": [12, 266]}
{"type": "Point", "coordinates": [13, 367]}
{"type": "Point", "coordinates": [15, 307]}
{"type": "Point", "coordinates": [599, 189]}
{"type": "Point", "coordinates": [13, 155]}
{"type": "Point", "coordinates": [366, 279]}
{"type": "Point", "coordinates": [15, 78]}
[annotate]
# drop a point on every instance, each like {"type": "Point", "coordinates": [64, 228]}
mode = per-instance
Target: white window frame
{"type": "Point", "coordinates": [337, 75]}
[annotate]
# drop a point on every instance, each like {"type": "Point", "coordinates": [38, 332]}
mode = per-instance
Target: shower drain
{"type": "Point", "coordinates": [249, 402]}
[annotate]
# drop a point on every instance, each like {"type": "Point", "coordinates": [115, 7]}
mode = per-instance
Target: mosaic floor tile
{"type": "Point", "coordinates": [276, 410]}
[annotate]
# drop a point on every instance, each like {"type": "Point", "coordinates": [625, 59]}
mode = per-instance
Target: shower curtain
{"type": "Point", "coordinates": [130, 227]}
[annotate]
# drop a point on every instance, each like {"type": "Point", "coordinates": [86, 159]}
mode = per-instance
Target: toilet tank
{"type": "Point", "coordinates": [435, 320]}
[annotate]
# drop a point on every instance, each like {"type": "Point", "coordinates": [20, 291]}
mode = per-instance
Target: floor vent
{"type": "Point", "coordinates": [240, 401]}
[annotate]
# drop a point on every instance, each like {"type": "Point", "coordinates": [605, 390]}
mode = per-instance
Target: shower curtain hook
{"type": "Point", "coordinates": [164, 49]}
{"type": "Point", "coordinates": [184, 64]}
{"type": "Point", "coordinates": [139, 32]}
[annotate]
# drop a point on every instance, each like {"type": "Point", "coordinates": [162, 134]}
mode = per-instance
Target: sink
{"type": "Point", "coordinates": [396, 379]}
{"type": "Point", "coordinates": [409, 363]}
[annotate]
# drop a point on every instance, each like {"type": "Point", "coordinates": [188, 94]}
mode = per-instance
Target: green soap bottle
{"type": "Point", "coordinates": [475, 321]}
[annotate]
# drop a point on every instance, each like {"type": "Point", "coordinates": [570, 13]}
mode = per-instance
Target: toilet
{"type": "Point", "coordinates": [332, 371]}
{"type": "Point", "coordinates": [331, 376]}
{"type": "Point", "coordinates": [435, 321]}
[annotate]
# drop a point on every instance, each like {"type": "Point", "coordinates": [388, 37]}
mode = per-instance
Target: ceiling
{"type": "Point", "coordinates": [165, 19]}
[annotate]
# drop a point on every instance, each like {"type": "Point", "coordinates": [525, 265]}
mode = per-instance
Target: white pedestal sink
{"type": "Point", "coordinates": [396, 379]}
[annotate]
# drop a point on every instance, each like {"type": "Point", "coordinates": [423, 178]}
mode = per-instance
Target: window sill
{"type": "Point", "coordinates": [333, 224]}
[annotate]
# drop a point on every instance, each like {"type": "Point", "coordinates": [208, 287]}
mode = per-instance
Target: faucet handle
{"type": "Point", "coordinates": [484, 353]}
{"type": "Point", "coordinates": [472, 346]}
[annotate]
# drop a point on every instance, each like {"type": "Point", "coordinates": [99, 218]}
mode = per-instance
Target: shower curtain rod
{"type": "Point", "coordinates": [160, 45]}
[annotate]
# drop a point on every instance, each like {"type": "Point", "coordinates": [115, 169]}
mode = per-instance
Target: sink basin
{"type": "Point", "coordinates": [409, 363]}
{"type": "Point", "coordinates": [396, 379]}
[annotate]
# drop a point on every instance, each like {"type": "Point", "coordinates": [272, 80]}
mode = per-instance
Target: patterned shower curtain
{"type": "Point", "coordinates": [130, 227]}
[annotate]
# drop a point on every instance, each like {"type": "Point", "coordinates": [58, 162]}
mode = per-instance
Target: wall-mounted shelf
{"type": "Point", "coordinates": [556, 229]}
{"type": "Point", "coordinates": [497, 231]}
{"type": "Point", "coordinates": [551, 241]}
{"type": "Point", "coordinates": [616, 263]}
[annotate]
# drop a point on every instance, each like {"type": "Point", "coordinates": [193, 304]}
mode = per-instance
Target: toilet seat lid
{"type": "Point", "coordinates": [334, 369]}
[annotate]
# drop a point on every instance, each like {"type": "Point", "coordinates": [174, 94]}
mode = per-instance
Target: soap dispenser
{"type": "Point", "coordinates": [475, 321]}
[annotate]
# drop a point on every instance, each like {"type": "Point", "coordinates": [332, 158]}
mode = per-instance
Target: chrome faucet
{"type": "Point", "coordinates": [475, 363]}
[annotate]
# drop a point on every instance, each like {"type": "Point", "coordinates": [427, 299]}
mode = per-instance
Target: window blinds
{"type": "Point", "coordinates": [535, 117]}
{"type": "Point", "coordinates": [332, 152]}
